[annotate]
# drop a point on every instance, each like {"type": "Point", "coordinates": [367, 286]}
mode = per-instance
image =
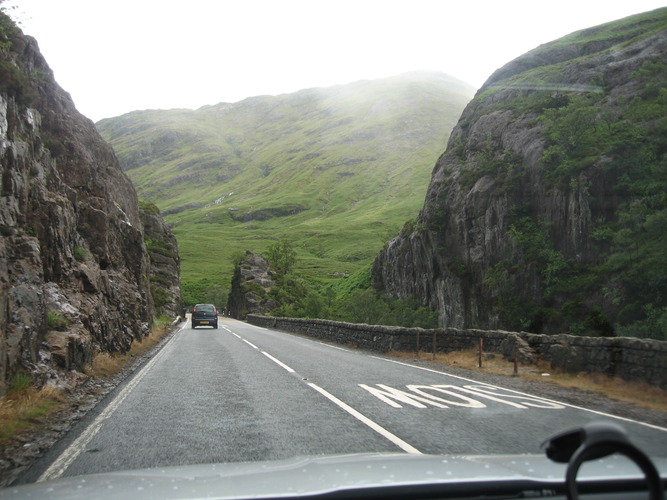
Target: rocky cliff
{"type": "Point", "coordinates": [164, 277]}
{"type": "Point", "coordinates": [251, 285]}
{"type": "Point", "coordinates": [74, 269]}
{"type": "Point", "coordinates": [544, 212]}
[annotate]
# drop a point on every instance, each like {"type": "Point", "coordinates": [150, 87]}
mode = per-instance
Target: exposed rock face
{"type": "Point", "coordinates": [250, 286]}
{"type": "Point", "coordinates": [165, 277]}
{"type": "Point", "coordinates": [74, 270]}
{"type": "Point", "coordinates": [469, 253]}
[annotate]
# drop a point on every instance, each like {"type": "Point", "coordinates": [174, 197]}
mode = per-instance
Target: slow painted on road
{"type": "Point", "coordinates": [245, 393]}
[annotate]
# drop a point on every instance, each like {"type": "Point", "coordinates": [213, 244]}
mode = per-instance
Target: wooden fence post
{"type": "Point", "coordinates": [417, 349]}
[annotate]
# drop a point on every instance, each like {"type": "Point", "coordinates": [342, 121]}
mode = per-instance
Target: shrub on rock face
{"type": "Point", "coordinates": [282, 256]}
{"type": "Point", "coordinates": [71, 238]}
{"type": "Point", "coordinates": [56, 321]}
{"type": "Point", "coordinates": [547, 211]}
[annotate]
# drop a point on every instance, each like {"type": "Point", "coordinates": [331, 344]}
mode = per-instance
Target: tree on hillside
{"type": "Point", "coordinates": [282, 256]}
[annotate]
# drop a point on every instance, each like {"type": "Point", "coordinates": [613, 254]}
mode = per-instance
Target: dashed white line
{"type": "Point", "coordinates": [278, 362]}
{"type": "Point", "coordinates": [241, 338]}
{"type": "Point", "coordinates": [250, 344]}
{"type": "Point", "coordinates": [344, 406]}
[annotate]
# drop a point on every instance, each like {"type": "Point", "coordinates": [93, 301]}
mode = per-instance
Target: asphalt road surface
{"type": "Point", "coordinates": [245, 393]}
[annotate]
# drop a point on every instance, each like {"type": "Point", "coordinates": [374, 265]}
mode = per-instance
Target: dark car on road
{"type": "Point", "coordinates": [204, 314]}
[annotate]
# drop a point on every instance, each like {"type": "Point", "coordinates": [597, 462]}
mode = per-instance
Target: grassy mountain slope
{"type": "Point", "coordinates": [336, 171]}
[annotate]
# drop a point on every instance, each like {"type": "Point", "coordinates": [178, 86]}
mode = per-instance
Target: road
{"type": "Point", "coordinates": [245, 393]}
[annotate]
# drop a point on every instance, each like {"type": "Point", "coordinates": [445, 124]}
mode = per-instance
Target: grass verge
{"type": "Point", "coordinates": [638, 393]}
{"type": "Point", "coordinates": [25, 407]}
{"type": "Point", "coordinates": [107, 364]}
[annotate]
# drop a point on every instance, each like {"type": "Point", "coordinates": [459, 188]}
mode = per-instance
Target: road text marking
{"type": "Point", "coordinates": [444, 396]}
{"type": "Point", "coordinates": [603, 414]}
{"type": "Point", "coordinates": [367, 421]}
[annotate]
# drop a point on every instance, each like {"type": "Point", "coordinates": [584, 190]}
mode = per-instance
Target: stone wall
{"type": "Point", "coordinates": [629, 358]}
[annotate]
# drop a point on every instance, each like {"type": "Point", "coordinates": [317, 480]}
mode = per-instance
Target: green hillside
{"type": "Point", "coordinates": [557, 170]}
{"type": "Point", "coordinates": [335, 171]}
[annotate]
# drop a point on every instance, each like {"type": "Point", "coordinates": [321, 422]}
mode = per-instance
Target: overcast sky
{"type": "Point", "coordinates": [115, 56]}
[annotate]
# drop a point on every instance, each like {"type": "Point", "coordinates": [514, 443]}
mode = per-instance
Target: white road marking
{"type": "Point", "coordinates": [458, 399]}
{"type": "Point", "coordinates": [359, 416]}
{"type": "Point", "coordinates": [367, 421]}
{"type": "Point", "coordinates": [388, 394]}
{"type": "Point", "coordinates": [335, 347]}
{"type": "Point", "coordinates": [241, 338]}
{"type": "Point", "coordinates": [422, 395]}
{"type": "Point", "coordinates": [250, 344]}
{"type": "Point", "coordinates": [278, 362]}
{"type": "Point", "coordinates": [60, 465]}
{"type": "Point", "coordinates": [603, 414]}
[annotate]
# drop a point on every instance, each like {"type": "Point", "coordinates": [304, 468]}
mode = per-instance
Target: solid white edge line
{"type": "Point", "coordinates": [278, 362]}
{"type": "Point", "coordinates": [596, 412]}
{"type": "Point", "coordinates": [334, 347]}
{"type": "Point", "coordinates": [60, 465]}
{"type": "Point", "coordinates": [367, 421]}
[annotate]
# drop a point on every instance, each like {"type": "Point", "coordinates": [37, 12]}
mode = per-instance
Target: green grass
{"type": "Point", "coordinates": [336, 171]}
{"type": "Point", "coordinates": [24, 406]}
{"type": "Point", "coordinates": [55, 320]}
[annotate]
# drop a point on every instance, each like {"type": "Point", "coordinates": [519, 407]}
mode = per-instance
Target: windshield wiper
{"type": "Point", "coordinates": [598, 440]}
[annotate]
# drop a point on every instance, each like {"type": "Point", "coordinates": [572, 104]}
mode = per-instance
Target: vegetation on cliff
{"type": "Point", "coordinates": [620, 139]}
{"type": "Point", "coordinates": [270, 286]}
{"type": "Point", "coordinates": [74, 268]}
{"type": "Point", "coordinates": [547, 212]}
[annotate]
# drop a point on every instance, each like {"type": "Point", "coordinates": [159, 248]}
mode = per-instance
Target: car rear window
{"type": "Point", "coordinates": [205, 307]}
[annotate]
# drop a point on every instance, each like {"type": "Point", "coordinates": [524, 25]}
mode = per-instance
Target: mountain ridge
{"type": "Point", "coordinates": [341, 166]}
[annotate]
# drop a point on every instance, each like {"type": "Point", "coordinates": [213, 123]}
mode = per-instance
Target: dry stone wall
{"type": "Point", "coordinates": [629, 358]}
